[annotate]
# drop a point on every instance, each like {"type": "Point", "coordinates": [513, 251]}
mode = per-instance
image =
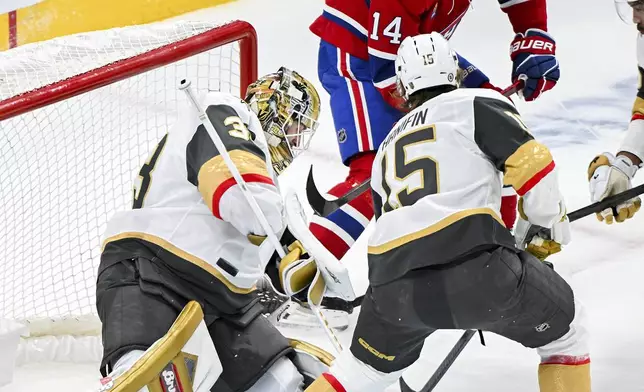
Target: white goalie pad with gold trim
{"type": "Point", "coordinates": [335, 274]}
{"type": "Point", "coordinates": [311, 361]}
{"type": "Point", "coordinates": [185, 360]}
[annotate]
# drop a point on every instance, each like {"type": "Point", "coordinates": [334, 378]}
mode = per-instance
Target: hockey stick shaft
{"type": "Point", "coordinates": [324, 207]}
{"type": "Point", "coordinates": [444, 366]}
{"type": "Point", "coordinates": [272, 236]}
{"type": "Point", "coordinates": [449, 360]}
{"type": "Point", "coordinates": [583, 212]}
{"type": "Point", "coordinates": [467, 335]}
{"type": "Point", "coordinates": [184, 86]}
{"type": "Point", "coordinates": [608, 202]}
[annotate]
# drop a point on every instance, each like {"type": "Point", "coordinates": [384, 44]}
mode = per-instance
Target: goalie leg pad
{"type": "Point", "coordinates": [335, 274]}
{"type": "Point", "coordinates": [183, 360]}
{"type": "Point", "coordinates": [311, 361]}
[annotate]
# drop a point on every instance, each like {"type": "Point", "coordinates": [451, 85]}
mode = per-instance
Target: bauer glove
{"type": "Point", "coordinates": [534, 62]}
{"type": "Point", "coordinates": [541, 241]}
{"type": "Point", "coordinates": [609, 175]}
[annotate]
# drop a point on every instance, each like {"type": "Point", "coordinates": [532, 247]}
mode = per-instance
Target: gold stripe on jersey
{"type": "Point", "coordinates": [440, 225]}
{"type": "Point", "coordinates": [215, 172]}
{"type": "Point", "coordinates": [525, 163]}
{"type": "Point", "coordinates": [638, 106]}
{"type": "Point", "coordinates": [168, 348]}
{"type": "Point", "coordinates": [183, 255]}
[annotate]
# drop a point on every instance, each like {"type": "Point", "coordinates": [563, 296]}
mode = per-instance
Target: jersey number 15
{"type": "Point", "coordinates": [405, 166]}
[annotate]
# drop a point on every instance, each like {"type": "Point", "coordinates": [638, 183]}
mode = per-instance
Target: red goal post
{"type": "Point", "coordinates": [228, 33]}
{"type": "Point", "coordinates": [78, 116]}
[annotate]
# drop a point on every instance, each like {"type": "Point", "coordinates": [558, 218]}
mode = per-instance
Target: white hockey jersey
{"type": "Point", "coordinates": [187, 203]}
{"type": "Point", "coordinates": [634, 140]}
{"type": "Point", "coordinates": [437, 181]}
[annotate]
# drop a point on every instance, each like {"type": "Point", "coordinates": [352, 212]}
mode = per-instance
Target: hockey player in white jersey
{"type": "Point", "coordinates": [610, 174]}
{"type": "Point", "coordinates": [440, 256]}
{"type": "Point", "coordinates": [176, 289]}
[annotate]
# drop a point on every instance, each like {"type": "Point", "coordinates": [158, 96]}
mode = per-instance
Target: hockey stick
{"type": "Point", "coordinates": [608, 202]}
{"type": "Point", "coordinates": [444, 366]}
{"type": "Point", "coordinates": [184, 86]}
{"type": "Point", "coordinates": [324, 207]}
{"type": "Point", "coordinates": [583, 212]}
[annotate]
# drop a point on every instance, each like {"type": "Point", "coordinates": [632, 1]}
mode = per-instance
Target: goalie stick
{"type": "Point", "coordinates": [324, 207]}
{"type": "Point", "coordinates": [185, 86]}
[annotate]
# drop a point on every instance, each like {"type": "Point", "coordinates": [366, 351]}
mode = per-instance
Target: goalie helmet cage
{"type": "Point", "coordinates": [78, 117]}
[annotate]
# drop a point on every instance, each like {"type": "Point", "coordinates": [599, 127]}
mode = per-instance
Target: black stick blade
{"type": "Point", "coordinates": [324, 207]}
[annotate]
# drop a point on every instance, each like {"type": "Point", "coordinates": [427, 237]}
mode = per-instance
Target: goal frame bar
{"type": "Point", "coordinates": [237, 30]}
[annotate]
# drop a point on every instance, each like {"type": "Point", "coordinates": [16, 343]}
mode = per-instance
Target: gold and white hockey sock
{"type": "Point", "coordinates": [565, 374]}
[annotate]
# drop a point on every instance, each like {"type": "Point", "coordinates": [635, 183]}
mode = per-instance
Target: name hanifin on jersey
{"type": "Point", "coordinates": [418, 118]}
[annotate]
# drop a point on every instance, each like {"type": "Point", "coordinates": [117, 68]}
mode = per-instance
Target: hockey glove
{"type": "Point", "coordinates": [534, 61]}
{"type": "Point", "coordinates": [607, 176]}
{"type": "Point", "coordinates": [541, 241]}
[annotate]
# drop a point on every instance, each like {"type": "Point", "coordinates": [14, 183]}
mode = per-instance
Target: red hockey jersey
{"type": "Point", "coordinates": [373, 29]}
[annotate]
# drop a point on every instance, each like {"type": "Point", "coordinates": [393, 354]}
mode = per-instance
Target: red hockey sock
{"type": "Point", "coordinates": [338, 231]}
{"type": "Point", "coordinates": [509, 210]}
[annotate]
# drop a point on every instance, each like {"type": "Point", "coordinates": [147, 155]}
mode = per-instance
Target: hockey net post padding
{"type": "Point", "coordinates": [78, 117]}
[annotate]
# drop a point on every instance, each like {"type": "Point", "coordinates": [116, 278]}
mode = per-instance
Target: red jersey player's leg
{"type": "Point", "coordinates": [362, 120]}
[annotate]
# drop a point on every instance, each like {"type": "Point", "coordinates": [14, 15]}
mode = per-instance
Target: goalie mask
{"type": "Point", "coordinates": [288, 107]}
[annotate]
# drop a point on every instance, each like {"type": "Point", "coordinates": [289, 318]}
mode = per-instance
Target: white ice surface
{"type": "Point", "coordinates": [586, 113]}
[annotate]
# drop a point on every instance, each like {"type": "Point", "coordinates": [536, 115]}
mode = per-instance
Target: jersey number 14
{"type": "Point", "coordinates": [392, 30]}
{"type": "Point", "coordinates": [404, 167]}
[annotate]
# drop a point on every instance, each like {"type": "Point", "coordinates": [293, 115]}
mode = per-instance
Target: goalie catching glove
{"type": "Point", "coordinates": [609, 175]}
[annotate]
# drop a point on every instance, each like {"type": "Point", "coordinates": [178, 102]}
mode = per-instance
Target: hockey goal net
{"type": "Point", "coordinates": [78, 116]}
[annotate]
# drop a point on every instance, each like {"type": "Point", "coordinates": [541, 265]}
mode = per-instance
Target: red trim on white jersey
{"type": "Point", "coordinates": [229, 183]}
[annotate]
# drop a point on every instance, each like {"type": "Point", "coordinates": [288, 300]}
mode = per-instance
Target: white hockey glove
{"type": "Point", "coordinates": [541, 241]}
{"type": "Point", "coordinates": [609, 175]}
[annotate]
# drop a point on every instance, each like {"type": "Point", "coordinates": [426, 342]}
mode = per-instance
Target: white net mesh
{"type": "Point", "coordinates": [66, 168]}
